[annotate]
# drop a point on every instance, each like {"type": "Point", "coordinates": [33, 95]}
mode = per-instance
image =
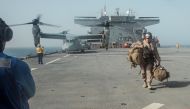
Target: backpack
{"type": "Point", "coordinates": [160, 73]}
{"type": "Point", "coordinates": [135, 56]}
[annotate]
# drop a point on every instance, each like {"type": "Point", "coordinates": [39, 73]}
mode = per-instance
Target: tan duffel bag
{"type": "Point", "coordinates": [160, 73]}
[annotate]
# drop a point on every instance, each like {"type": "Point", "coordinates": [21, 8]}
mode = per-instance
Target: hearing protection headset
{"type": "Point", "coordinates": [6, 33]}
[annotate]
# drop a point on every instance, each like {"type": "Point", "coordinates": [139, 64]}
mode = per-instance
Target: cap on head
{"type": "Point", "coordinates": [6, 33]}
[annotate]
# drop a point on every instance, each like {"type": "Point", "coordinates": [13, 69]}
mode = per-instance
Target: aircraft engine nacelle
{"type": "Point", "coordinates": [36, 34]}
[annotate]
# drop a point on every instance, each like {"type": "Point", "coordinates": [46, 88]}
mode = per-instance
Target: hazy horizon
{"type": "Point", "coordinates": [172, 29]}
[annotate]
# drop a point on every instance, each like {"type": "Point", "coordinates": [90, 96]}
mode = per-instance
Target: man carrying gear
{"type": "Point", "coordinates": [149, 56]}
{"type": "Point", "coordinates": [145, 54]}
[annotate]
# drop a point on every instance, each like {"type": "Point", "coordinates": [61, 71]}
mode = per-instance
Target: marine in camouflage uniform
{"type": "Point", "coordinates": [150, 56]}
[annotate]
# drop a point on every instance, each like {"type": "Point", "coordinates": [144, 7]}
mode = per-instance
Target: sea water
{"type": "Point", "coordinates": [29, 51]}
{"type": "Point", "coordinates": [23, 52]}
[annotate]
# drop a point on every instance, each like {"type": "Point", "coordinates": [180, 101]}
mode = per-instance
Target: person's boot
{"type": "Point", "coordinates": [144, 85]}
{"type": "Point", "coordinates": [149, 85]}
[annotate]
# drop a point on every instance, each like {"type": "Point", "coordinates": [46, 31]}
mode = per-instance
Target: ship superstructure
{"type": "Point", "coordinates": [122, 27]}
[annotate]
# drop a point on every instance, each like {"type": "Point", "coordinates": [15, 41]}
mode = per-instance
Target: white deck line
{"type": "Point", "coordinates": [153, 106]}
{"type": "Point", "coordinates": [52, 61]}
{"type": "Point", "coordinates": [33, 69]}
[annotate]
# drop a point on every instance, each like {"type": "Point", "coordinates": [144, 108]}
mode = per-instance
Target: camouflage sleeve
{"type": "Point", "coordinates": [156, 54]}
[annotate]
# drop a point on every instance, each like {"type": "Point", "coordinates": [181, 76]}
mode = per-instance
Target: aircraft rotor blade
{"type": "Point", "coordinates": [21, 24]}
{"type": "Point", "coordinates": [45, 24]}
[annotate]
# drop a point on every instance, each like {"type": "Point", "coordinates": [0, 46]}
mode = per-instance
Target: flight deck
{"type": "Point", "coordinates": [100, 79]}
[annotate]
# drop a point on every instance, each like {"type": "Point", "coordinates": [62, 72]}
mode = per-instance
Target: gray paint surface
{"type": "Point", "coordinates": [103, 80]}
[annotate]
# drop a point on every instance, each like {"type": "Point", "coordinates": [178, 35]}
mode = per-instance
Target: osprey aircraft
{"type": "Point", "coordinates": [70, 43]}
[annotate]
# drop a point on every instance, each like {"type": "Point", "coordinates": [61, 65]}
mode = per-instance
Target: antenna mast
{"type": "Point", "coordinates": [105, 12]}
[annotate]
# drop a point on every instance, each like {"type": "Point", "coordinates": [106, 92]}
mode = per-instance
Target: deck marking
{"type": "Point", "coordinates": [52, 61]}
{"type": "Point", "coordinates": [33, 69]}
{"type": "Point", "coordinates": [66, 55]}
{"type": "Point", "coordinates": [153, 106]}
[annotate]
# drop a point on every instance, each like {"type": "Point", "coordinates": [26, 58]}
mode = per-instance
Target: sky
{"type": "Point", "coordinates": [173, 27]}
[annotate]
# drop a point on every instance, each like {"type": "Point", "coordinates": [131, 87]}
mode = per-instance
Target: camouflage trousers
{"type": "Point", "coordinates": [146, 72]}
